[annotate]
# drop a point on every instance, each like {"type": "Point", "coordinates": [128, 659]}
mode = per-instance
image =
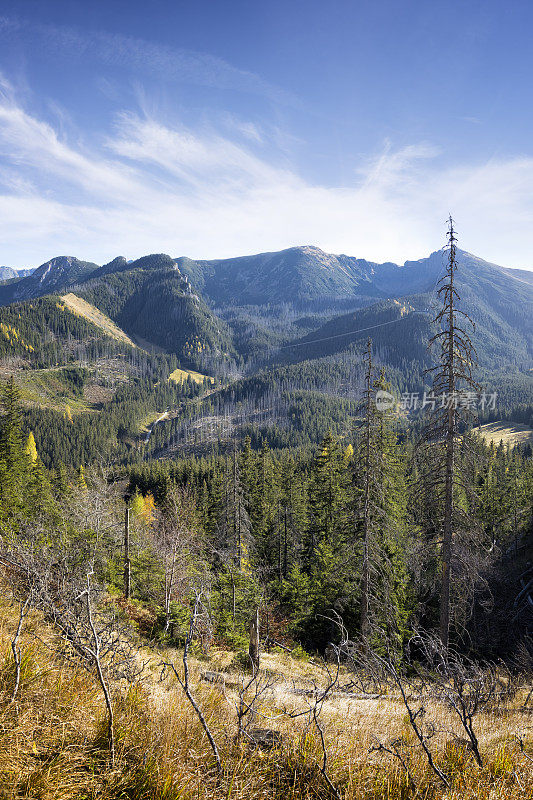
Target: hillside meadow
{"type": "Point", "coordinates": [53, 735]}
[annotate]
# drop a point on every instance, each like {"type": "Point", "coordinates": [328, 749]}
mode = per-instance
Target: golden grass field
{"type": "Point", "coordinates": [181, 375]}
{"type": "Point", "coordinates": [84, 309]}
{"type": "Point", "coordinates": [53, 744]}
{"type": "Point", "coordinates": [510, 435]}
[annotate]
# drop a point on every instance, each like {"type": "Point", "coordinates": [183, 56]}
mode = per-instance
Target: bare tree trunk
{"type": "Point", "coordinates": [253, 649]}
{"type": "Point", "coordinates": [186, 686]}
{"type": "Point", "coordinates": [365, 584]}
{"type": "Point", "coordinates": [105, 689]}
{"type": "Point", "coordinates": [444, 622]}
{"type": "Point", "coordinates": [127, 561]}
{"type": "Point", "coordinates": [16, 649]}
{"type": "Point", "coordinates": [456, 360]}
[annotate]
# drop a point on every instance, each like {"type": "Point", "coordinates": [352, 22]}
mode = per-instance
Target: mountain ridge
{"type": "Point", "coordinates": [298, 274]}
{"type": "Point", "coordinates": [237, 308]}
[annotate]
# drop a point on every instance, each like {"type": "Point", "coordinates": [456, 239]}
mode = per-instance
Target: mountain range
{"type": "Point", "coordinates": [298, 304]}
{"type": "Point", "coordinates": [298, 275]}
{"type": "Point", "coordinates": [8, 273]}
{"type": "Point", "coordinates": [283, 332]}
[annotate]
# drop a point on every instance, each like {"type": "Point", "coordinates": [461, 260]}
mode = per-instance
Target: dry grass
{"type": "Point", "coordinates": [52, 740]}
{"type": "Point", "coordinates": [510, 435]}
{"type": "Point", "coordinates": [181, 375]}
{"type": "Point", "coordinates": [84, 309]}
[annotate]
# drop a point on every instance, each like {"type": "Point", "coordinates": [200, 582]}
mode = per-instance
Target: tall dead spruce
{"type": "Point", "coordinates": [366, 517]}
{"type": "Point", "coordinates": [452, 379]}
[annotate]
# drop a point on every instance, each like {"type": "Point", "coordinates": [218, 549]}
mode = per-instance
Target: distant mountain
{"type": "Point", "coordinates": [296, 275]}
{"type": "Point", "coordinates": [269, 299]}
{"type": "Point", "coordinates": [120, 264]}
{"type": "Point", "coordinates": [499, 300]}
{"type": "Point", "coordinates": [525, 275]}
{"type": "Point", "coordinates": [307, 275]}
{"type": "Point", "coordinates": [53, 276]}
{"type": "Point", "coordinates": [6, 273]}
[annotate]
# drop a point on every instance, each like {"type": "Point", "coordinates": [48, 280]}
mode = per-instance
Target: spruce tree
{"type": "Point", "coordinates": [452, 376]}
{"type": "Point", "coordinates": [380, 515]}
{"type": "Point", "coordinates": [14, 463]}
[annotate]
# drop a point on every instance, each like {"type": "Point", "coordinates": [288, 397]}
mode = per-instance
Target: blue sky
{"type": "Point", "coordinates": [221, 128]}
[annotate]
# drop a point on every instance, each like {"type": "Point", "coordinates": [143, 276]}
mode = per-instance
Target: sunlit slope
{"type": "Point", "coordinates": [82, 308]}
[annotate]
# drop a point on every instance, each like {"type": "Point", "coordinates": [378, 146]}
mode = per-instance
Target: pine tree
{"type": "Point", "coordinates": [233, 529]}
{"type": "Point", "coordinates": [327, 495]}
{"type": "Point", "coordinates": [11, 441]}
{"type": "Point", "coordinates": [38, 495]}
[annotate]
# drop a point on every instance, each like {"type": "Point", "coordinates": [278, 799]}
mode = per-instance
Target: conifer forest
{"type": "Point", "coordinates": [258, 554]}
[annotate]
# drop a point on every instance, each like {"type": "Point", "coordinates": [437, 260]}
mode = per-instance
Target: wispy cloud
{"type": "Point", "coordinates": [153, 187]}
{"type": "Point", "coordinates": [196, 158]}
{"type": "Point", "coordinates": [143, 57]}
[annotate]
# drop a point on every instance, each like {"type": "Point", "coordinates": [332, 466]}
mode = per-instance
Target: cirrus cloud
{"type": "Point", "coordinates": [154, 187]}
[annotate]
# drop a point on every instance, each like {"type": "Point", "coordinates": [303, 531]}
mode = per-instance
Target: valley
{"type": "Point", "coordinates": [266, 400]}
{"type": "Point", "coordinates": [216, 537]}
{"type": "Point", "coordinates": [286, 330]}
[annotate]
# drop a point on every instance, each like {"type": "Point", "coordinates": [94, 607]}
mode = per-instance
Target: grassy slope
{"type": "Point", "coordinates": [509, 434]}
{"type": "Point", "coordinates": [44, 388]}
{"type": "Point", "coordinates": [82, 308]}
{"type": "Point", "coordinates": [180, 375]}
{"type": "Point", "coordinates": [52, 747]}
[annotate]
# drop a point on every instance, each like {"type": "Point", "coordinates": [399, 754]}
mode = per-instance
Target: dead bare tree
{"type": "Point", "coordinates": [175, 536]}
{"type": "Point", "coordinates": [437, 676]}
{"type": "Point", "coordinates": [253, 649]}
{"type": "Point", "coordinates": [465, 686]}
{"type": "Point", "coordinates": [100, 644]}
{"type": "Point", "coordinates": [389, 672]}
{"type": "Point", "coordinates": [59, 584]}
{"type": "Point", "coordinates": [319, 696]}
{"type": "Point", "coordinates": [199, 613]}
{"type": "Point", "coordinates": [369, 424]}
{"type": "Point", "coordinates": [452, 377]}
{"type": "Point", "coordinates": [251, 692]}
{"type": "Point", "coordinates": [95, 653]}
{"type": "Point", "coordinates": [17, 658]}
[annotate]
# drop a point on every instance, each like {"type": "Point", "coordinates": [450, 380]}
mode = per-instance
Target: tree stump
{"type": "Point", "coordinates": [213, 677]}
{"type": "Point", "coordinates": [263, 738]}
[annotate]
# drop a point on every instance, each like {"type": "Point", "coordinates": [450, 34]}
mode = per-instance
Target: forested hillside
{"type": "Point", "coordinates": [326, 546]}
{"type": "Point", "coordinates": [234, 568]}
{"type": "Point", "coordinates": [157, 306]}
{"type": "Point", "coordinates": [294, 364]}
